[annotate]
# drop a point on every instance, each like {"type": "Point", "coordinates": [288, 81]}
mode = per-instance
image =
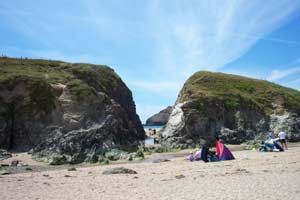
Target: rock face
{"type": "Point", "coordinates": [65, 109]}
{"type": "Point", "coordinates": [160, 118]}
{"type": "Point", "coordinates": [232, 108]}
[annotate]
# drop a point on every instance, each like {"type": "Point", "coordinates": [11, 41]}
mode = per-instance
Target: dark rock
{"type": "Point", "coordinates": [160, 118]}
{"type": "Point", "coordinates": [102, 160]}
{"type": "Point", "coordinates": [75, 158]}
{"type": "Point", "coordinates": [180, 176]}
{"type": "Point", "coordinates": [116, 154]}
{"type": "Point", "coordinates": [28, 169]}
{"type": "Point", "coordinates": [136, 156]}
{"type": "Point", "coordinates": [57, 159]}
{"type": "Point", "coordinates": [119, 170]}
{"type": "Point", "coordinates": [139, 154]}
{"type": "Point", "coordinates": [72, 169]}
{"type": "Point", "coordinates": [92, 157]}
{"type": "Point", "coordinates": [78, 111]}
{"type": "Point", "coordinates": [232, 108]}
{"type": "Point", "coordinates": [4, 154]}
{"type": "Point", "coordinates": [4, 172]}
{"type": "Point", "coordinates": [160, 160]}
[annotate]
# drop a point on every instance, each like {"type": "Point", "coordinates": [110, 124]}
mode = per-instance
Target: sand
{"type": "Point", "coordinates": [253, 175]}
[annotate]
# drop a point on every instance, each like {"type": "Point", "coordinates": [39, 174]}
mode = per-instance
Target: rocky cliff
{"type": "Point", "coordinates": [233, 108]}
{"type": "Point", "coordinates": [160, 118]}
{"type": "Point", "coordinates": [71, 110]}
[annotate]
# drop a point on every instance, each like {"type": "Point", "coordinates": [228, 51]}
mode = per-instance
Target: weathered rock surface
{"type": "Point", "coordinates": [66, 112]}
{"type": "Point", "coordinates": [233, 108]}
{"type": "Point", "coordinates": [160, 118]}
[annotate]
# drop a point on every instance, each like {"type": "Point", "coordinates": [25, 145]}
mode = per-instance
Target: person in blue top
{"type": "Point", "coordinates": [271, 134]}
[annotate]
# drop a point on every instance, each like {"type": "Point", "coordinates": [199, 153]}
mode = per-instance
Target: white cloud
{"type": "Point", "coordinates": [280, 74]}
{"type": "Point", "coordinates": [196, 35]}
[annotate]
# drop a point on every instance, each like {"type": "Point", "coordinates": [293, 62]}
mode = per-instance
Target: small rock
{"type": "Point", "coordinates": [119, 170]}
{"type": "Point", "coordinates": [46, 175]}
{"type": "Point", "coordinates": [5, 172]}
{"type": "Point", "coordinates": [72, 169]}
{"type": "Point", "coordinates": [166, 179]}
{"type": "Point", "coordinates": [160, 160]}
{"type": "Point", "coordinates": [28, 169]}
{"type": "Point", "coordinates": [67, 176]}
{"type": "Point", "coordinates": [4, 165]}
{"type": "Point", "coordinates": [180, 176]}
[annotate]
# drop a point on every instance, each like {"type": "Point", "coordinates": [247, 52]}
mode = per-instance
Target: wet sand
{"type": "Point", "coordinates": [253, 175]}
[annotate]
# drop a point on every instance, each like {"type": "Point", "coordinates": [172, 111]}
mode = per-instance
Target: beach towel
{"type": "Point", "coordinates": [223, 152]}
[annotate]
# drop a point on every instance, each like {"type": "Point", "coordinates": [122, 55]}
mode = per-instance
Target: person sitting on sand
{"type": "Point", "coordinates": [270, 144]}
{"type": "Point", "coordinates": [191, 156]}
{"type": "Point", "coordinates": [197, 155]}
{"type": "Point", "coordinates": [194, 156]}
{"type": "Point", "coordinates": [282, 139]}
{"type": "Point", "coordinates": [267, 145]}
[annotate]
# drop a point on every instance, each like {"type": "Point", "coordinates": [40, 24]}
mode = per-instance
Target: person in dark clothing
{"type": "Point", "coordinates": [207, 155]}
{"type": "Point", "coordinates": [204, 153]}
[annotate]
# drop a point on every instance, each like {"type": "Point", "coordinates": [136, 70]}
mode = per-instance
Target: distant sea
{"type": "Point", "coordinates": [152, 127]}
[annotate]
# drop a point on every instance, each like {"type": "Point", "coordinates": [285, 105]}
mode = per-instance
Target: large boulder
{"type": "Point", "coordinates": [4, 154]}
{"type": "Point", "coordinates": [232, 108]}
{"type": "Point", "coordinates": [160, 118]}
{"type": "Point", "coordinates": [65, 110]}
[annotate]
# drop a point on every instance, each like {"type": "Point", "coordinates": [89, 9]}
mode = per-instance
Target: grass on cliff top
{"type": "Point", "coordinates": [77, 76]}
{"type": "Point", "coordinates": [234, 90]}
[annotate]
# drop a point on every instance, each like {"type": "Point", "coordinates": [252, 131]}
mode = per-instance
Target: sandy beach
{"type": "Point", "coordinates": [253, 175]}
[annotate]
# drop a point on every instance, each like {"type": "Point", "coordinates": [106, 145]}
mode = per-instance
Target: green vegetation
{"type": "Point", "coordinates": [81, 79]}
{"type": "Point", "coordinates": [234, 92]}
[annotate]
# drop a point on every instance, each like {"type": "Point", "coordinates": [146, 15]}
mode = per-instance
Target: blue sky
{"type": "Point", "coordinates": [155, 45]}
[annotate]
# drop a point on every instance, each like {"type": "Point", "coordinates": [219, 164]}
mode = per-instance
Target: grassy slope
{"type": "Point", "coordinates": [60, 72]}
{"type": "Point", "coordinates": [236, 91]}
